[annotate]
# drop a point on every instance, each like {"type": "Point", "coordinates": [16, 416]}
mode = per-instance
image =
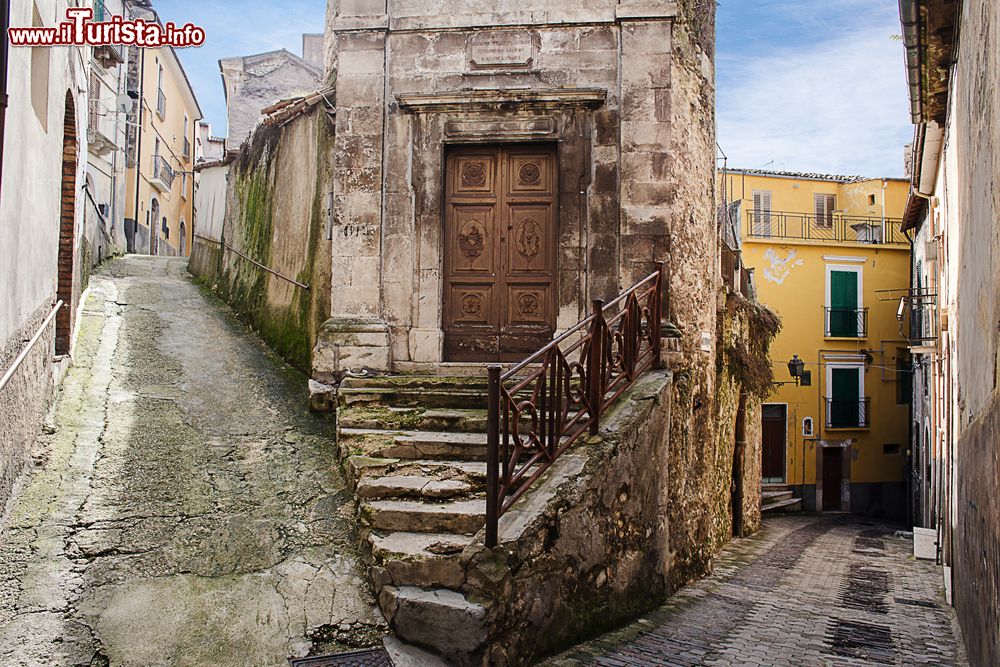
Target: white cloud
{"type": "Point", "coordinates": [835, 106]}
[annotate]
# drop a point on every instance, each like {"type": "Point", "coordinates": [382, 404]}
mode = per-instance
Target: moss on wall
{"type": "Point", "coordinates": [275, 225]}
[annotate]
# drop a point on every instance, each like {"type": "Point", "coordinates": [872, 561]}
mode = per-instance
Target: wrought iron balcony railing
{"type": "Point", "coordinates": [835, 228]}
{"type": "Point", "coordinates": [163, 174]}
{"type": "Point", "coordinates": [541, 406]}
{"type": "Point", "coordinates": [849, 413]}
{"type": "Point", "coordinates": [846, 323]}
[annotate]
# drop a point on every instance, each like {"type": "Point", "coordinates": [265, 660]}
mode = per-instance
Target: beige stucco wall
{"type": "Point", "coordinates": [30, 201]}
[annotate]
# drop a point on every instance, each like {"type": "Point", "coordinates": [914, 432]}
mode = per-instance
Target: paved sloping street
{"type": "Point", "coordinates": [806, 590]}
{"type": "Point", "coordinates": [184, 508]}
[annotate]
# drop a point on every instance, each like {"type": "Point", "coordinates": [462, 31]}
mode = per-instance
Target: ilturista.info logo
{"type": "Point", "coordinates": [79, 30]}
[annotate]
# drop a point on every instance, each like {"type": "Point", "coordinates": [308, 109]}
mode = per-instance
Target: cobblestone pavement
{"type": "Point", "coordinates": [184, 509]}
{"type": "Point", "coordinates": [804, 591]}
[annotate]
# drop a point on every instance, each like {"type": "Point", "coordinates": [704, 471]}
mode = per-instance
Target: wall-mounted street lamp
{"type": "Point", "coordinates": [800, 376]}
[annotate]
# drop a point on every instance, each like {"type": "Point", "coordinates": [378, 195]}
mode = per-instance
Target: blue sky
{"type": "Point", "coordinates": [803, 85]}
{"type": "Point", "coordinates": [237, 29]}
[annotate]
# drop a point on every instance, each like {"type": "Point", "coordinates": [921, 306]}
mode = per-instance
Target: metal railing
{"type": "Point", "coordinates": [541, 406]}
{"type": "Point", "coordinates": [835, 228]}
{"type": "Point", "coordinates": [851, 413]}
{"type": "Point", "coordinates": [26, 350]}
{"type": "Point", "coordinates": [162, 171]}
{"type": "Point", "coordinates": [846, 323]}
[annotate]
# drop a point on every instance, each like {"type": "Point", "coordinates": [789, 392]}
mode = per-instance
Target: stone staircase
{"type": "Point", "coordinates": [415, 451]}
{"type": "Point", "coordinates": [778, 498]}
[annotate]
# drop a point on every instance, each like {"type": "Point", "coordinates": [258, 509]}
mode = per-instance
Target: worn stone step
{"type": "Point", "coordinates": [473, 472]}
{"type": "Point", "coordinates": [427, 560]}
{"type": "Point", "coordinates": [768, 497]}
{"type": "Point", "coordinates": [411, 486]}
{"type": "Point", "coordinates": [460, 516]}
{"type": "Point", "coordinates": [437, 445]}
{"type": "Point", "coordinates": [417, 382]}
{"type": "Point", "coordinates": [442, 620]}
{"type": "Point", "coordinates": [790, 505]}
{"type": "Point", "coordinates": [394, 418]}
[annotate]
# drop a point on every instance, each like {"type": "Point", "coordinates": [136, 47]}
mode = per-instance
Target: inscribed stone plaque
{"type": "Point", "coordinates": [500, 49]}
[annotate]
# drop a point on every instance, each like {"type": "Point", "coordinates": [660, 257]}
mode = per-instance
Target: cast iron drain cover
{"type": "Point", "coordinates": [917, 603]}
{"type": "Point", "coordinates": [872, 643]}
{"type": "Point", "coordinates": [376, 657]}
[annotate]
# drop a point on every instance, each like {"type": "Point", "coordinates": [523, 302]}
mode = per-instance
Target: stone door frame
{"type": "Point", "coordinates": [845, 474]}
{"type": "Point", "coordinates": [439, 121]}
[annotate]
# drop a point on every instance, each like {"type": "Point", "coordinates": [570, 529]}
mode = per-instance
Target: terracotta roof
{"type": "Point", "coordinates": [285, 110]}
{"type": "Point", "coordinates": [839, 178]}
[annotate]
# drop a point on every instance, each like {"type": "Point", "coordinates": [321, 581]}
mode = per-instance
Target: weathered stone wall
{"type": "Point", "coordinates": [972, 169]}
{"type": "Point", "coordinates": [694, 284]}
{"type": "Point", "coordinates": [609, 83]}
{"type": "Point", "coordinates": [590, 546]}
{"type": "Point", "coordinates": [276, 215]}
{"type": "Point", "coordinates": [25, 399]}
{"type": "Point", "coordinates": [210, 216]}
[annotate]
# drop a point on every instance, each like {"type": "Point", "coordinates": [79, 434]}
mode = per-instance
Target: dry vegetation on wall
{"type": "Point", "coordinates": [748, 356]}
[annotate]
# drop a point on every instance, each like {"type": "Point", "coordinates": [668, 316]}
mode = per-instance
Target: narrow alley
{"type": "Point", "coordinates": [184, 508]}
{"type": "Point", "coordinates": [805, 590]}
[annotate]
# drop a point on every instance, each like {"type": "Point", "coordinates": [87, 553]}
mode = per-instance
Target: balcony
{"type": "Point", "coordinates": [161, 104]}
{"type": "Point", "coordinates": [162, 177]}
{"type": "Point", "coordinates": [846, 323]}
{"type": "Point", "coordinates": [854, 413]}
{"type": "Point", "coordinates": [836, 228]}
{"type": "Point", "coordinates": [108, 55]}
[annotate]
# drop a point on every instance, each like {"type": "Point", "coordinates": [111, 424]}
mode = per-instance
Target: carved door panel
{"type": "Point", "coordinates": [500, 245]}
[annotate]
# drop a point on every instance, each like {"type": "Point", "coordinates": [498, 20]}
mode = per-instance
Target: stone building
{"type": "Point", "coordinates": [499, 165]}
{"type": "Point", "coordinates": [43, 152]}
{"type": "Point", "coordinates": [252, 83]}
{"type": "Point", "coordinates": [472, 180]}
{"type": "Point", "coordinates": [953, 307]}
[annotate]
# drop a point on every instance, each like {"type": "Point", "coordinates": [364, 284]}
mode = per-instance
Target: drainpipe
{"type": "Point", "coordinates": [4, 21]}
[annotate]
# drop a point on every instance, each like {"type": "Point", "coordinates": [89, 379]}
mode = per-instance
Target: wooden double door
{"type": "Point", "coordinates": [501, 219]}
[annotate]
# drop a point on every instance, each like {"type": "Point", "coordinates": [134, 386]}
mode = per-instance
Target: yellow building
{"type": "Point", "coordinates": [830, 258]}
{"type": "Point", "coordinates": [159, 207]}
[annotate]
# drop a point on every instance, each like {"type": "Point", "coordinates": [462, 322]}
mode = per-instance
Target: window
{"type": "Point", "coordinates": [825, 205]}
{"type": "Point", "coordinates": [761, 213]}
{"type": "Point", "coordinates": [807, 426]}
{"type": "Point", "coordinates": [904, 378]}
{"type": "Point", "coordinates": [94, 117]}
{"type": "Point", "coordinates": [39, 75]}
{"type": "Point", "coordinates": [161, 99]}
{"type": "Point", "coordinates": [845, 318]}
{"type": "Point", "coordinates": [184, 184]}
{"type": "Point", "coordinates": [165, 228]}
{"type": "Point", "coordinates": [871, 200]}
{"type": "Point", "coordinates": [846, 406]}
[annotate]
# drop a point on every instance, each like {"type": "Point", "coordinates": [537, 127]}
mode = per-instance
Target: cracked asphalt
{"type": "Point", "coordinates": [184, 507]}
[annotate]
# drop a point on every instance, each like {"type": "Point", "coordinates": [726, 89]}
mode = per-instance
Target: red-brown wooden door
{"type": "Point", "coordinates": [500, 251]}
{"type": "Point", "coordinates": [774, 422]}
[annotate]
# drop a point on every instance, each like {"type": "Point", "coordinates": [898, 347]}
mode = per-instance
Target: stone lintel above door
{"type": "Point", "coordinates": [502, 99]}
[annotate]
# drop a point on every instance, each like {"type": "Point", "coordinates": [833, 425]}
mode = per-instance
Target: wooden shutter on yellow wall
{"type": "Point", "coordinates": [825, 204]}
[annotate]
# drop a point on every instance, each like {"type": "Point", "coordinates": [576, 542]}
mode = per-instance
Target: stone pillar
{"type": "Point", "coordinates": [356, 336]}
{"type": "Point", "coordinates": [646, 185]}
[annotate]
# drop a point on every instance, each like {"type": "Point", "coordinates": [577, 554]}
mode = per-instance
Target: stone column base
{"type": "Point", "coordinates": [350, 344]}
